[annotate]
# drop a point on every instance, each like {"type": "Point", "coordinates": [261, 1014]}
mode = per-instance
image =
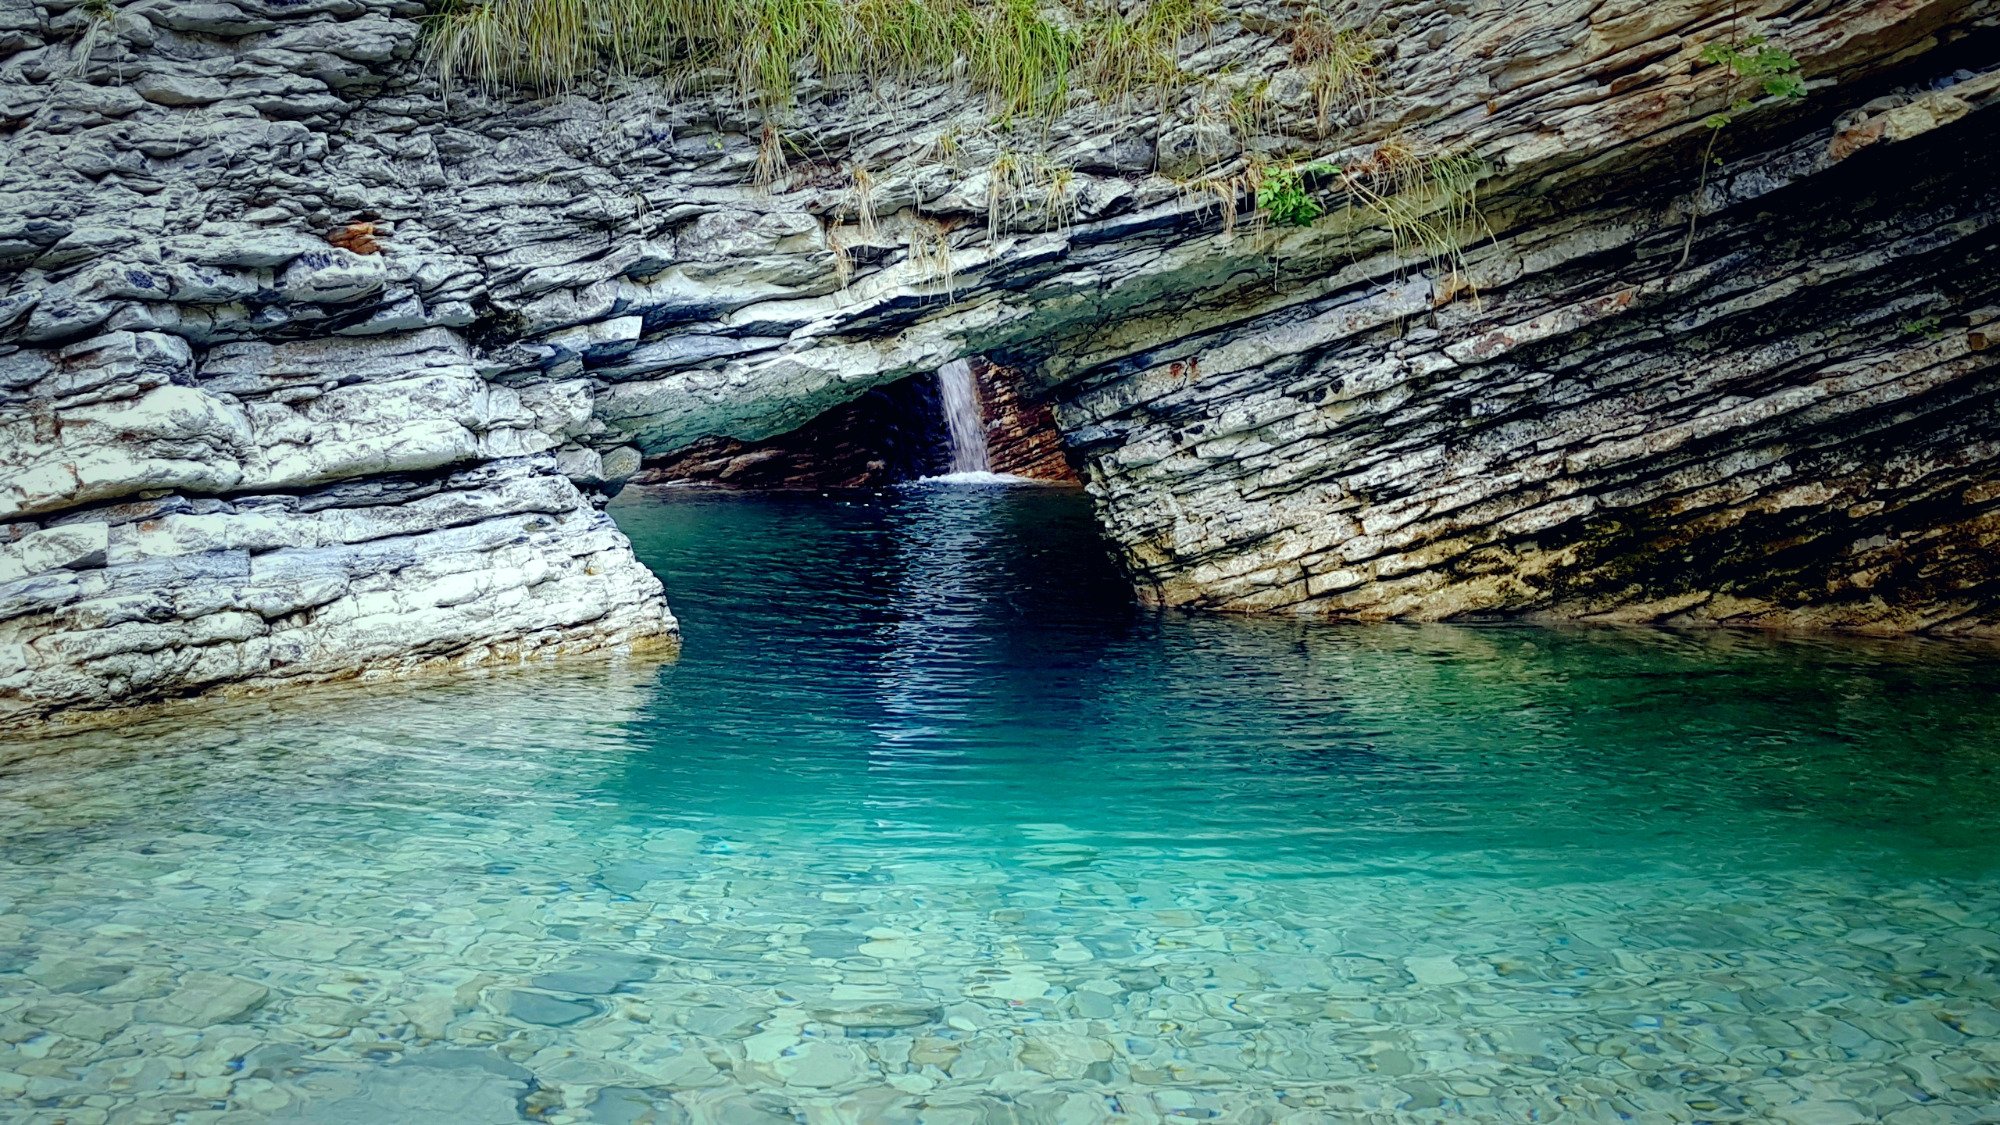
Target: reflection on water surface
{"type": "Point", "coordinates": [929, 824]}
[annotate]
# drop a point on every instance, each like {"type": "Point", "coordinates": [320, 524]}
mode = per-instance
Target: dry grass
{"type": "Point", "coordinates": [1024, 55]}
{"type": "Point", "coordinates": [864, 201]}
{"type": "Point", "coordinates": [843, 258]}
{"type": "Point", "coordinates": [930, 254]}
{"type": "Point", "coordinates": [946, 148]}
{"type": "Point", "coordinates": [1225, 192]}
{"type": "Point", "coordinates": [1429, 203]}
{"type": "Point", "coordinates": [1340, 63]}
{"type": "Point", "coordinates": [1028, 187]}
{"type": "Point", "coordinates": [771, 161]}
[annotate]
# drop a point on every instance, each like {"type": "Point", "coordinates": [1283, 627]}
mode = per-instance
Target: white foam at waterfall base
{"type": "Point", "coordinates": [978, 477]}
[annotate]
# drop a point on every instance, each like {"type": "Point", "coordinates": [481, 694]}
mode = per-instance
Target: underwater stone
{"type": "Point", "coordinates": [599, 974]}
{"type": "Point", "coordinates": [882, 1015]}
{"type": "Point", "coordinates": [549, 1011]}
{"type": "Point", "coordinates": [205, 998]}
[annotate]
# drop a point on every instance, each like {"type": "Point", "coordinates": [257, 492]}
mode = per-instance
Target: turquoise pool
{"type": "Point", "coordinates": [929, 824]}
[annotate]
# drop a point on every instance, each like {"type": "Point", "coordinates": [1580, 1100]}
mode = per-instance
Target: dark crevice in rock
{"type": "Point", "coordinates": [893, 433]}
{"type": "Point", "coordinates": [889, 435]}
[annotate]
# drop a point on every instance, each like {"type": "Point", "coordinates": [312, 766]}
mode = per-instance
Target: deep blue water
{"type": "Point", "coordinates": [930, 823]}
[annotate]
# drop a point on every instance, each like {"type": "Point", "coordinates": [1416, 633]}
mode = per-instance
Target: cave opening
{"type": "Point", "coordinates": [971, 417]}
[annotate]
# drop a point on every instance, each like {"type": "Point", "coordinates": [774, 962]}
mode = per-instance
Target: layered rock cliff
{"type": "Point", "coordinates": [311, 369]}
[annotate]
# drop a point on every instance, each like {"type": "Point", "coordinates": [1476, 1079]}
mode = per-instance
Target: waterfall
{"type": "Point", "coordinates": [959, 393]}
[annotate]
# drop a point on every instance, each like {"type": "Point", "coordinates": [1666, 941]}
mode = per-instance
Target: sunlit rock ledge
{"type": "Point", "coordinates": [306, 369]}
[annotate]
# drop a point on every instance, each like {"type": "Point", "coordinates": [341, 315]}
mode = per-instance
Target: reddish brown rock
{"type": "Point", "coordinates": [1021, 434]}
{"type": "Point", "coordinates": [361, 237]}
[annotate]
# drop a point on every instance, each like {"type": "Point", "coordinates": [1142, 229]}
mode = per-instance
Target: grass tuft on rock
{"type": "Point", "coordinates": [1025, 55]}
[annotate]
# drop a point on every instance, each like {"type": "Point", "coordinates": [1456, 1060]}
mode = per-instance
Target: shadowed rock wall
{"type": "Point", "coordinates": [1798, 427]}
{"type": "Point", "coordinates": [893, 433]}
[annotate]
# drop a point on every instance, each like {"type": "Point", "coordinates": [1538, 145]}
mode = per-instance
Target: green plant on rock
{"type": "Point", "coordinates": [1140, 50]}
{"type": "Point", "coordinates": [1022, 54]}
{"type": "Point", "coordinates": [1022, 57]}
{"type": "Point", "coordinates": [1025, 55]}
{"type": "Point", "coordinates": [1755, 67]}
{"type": "Point", "coordinates": [1285, 199]}
{"type": "Point", "coordinates": [1773, 70]}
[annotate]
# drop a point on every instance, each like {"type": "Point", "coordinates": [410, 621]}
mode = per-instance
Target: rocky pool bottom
{"type": "Point", "coordinates": [929, 824]}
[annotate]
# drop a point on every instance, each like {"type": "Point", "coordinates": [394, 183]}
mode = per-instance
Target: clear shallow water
{"type": "Point", "coordinates": [928, 824]}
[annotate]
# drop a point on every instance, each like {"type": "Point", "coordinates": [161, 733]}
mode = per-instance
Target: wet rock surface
{"type": "Point", "coordinates": [1022, 438]}
{"type": "Point", "coordinates": [251, 256]}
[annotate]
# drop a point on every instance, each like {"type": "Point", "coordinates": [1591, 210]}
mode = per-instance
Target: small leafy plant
{"type": "Point", "coordinates": [1773, 69]}
{"type": "Point", "coordinates": [1286, 201]}
{"type": "Point", "coordinates": [1775, 73]}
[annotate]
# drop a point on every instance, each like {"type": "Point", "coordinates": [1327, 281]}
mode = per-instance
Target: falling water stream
{"type": "Point", "coordinates": [959, 393]}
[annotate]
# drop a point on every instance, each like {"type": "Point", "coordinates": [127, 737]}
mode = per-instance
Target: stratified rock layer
{"type": "Point", "coordinates": [288, 512]}
{"type": "Point", "coordinates": [1022, 438]}
{"type": "Point", "coordinates": [1799, 426]}
{"type": "Point", "coordinates": [269, 294]}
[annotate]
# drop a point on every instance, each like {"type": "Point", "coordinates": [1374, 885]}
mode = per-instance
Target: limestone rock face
{"type": "Point", "coordinates": [289, 511]}
{"type": "Point", "coordinates": [267, 293]}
